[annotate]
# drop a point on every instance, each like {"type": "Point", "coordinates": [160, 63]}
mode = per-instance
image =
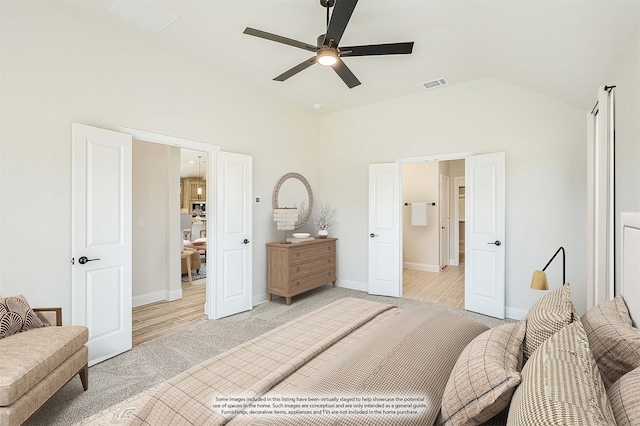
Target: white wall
{"type": "Point", "coordinates": [544, 141]}
{"type": "Point", "coordinates": [150, 194]}
{"type": "Point", "coordinates": [420, 243]}
{"type": "Point", "coordinates": [173, 226]}
{"type": "Point", "coordinates": [61, 65]}
{"type": "Point", "coordinates": [625, 75]}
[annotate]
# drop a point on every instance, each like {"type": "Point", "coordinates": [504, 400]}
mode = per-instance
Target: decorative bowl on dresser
{"type": "Point", "coordinates": [295, 268]}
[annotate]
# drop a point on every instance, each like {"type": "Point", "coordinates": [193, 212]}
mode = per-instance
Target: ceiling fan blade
{"type": "Point", "coordinates": [339, 19]}
{"type": "Point", "coordinates": [345, 74]}
{"type": "Point", "coordinates": [295, 70]}
{"type": "Point", "coordinates": [280, 39]}
{"type": "Point", "coordinates": [378, 49]}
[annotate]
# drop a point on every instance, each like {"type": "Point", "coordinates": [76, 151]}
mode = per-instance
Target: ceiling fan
{"type": "Point", "coordinates": [327, 51]}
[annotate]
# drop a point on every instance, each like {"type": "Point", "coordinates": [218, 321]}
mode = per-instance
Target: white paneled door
{"type": "Point", "coordinates": [485, 234]}
{"type": "Point", "coordinates": [385, 243]}
{"type": "Point", "coordinates": [101, 239]}
{"type": "Point", "coordinates": [234, 291]}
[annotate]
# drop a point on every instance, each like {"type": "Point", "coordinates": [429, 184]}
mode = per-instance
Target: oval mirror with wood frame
{"type": "Point", "coordinates": [293, 190]}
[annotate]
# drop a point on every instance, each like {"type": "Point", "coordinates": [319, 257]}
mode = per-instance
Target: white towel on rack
{"type": "Point", "coordinates": [419, 214]}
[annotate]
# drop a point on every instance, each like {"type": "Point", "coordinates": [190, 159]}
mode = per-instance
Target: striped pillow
{"type": "Point", "coordinates": [548, 316]}
{"type": "Point", "coordinates": [614, 342]}
{"type": "Point", "coordinates": [484, 377]}
{"type": "Point", "coordinates": [624, 396]}
{"type": "Point", "coordinates": [561, 385]}
{"type": "Point", "coordinates": [16, 315]}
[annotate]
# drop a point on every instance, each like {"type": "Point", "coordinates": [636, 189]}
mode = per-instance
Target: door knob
{"type": "Point", "coordinates": [372, 235]}
{"type": "Point", "coordinates": [245, 241]}
{"type": "Point", "coordinates": [496, 242]}
{"type": "Point", "coordinates": [84, 260]}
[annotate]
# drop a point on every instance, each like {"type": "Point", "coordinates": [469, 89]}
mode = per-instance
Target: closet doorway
{"type": "Point", "coordinates": [485, 227]}
{"type": "Point", "coordinates": [433, 232]}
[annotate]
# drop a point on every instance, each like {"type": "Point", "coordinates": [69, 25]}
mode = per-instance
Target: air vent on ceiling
{"type": "Point", "coordinates": [432, 84]}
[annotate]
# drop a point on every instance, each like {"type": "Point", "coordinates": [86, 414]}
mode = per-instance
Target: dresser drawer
{"type": "Point", "coordinates": [310, 267]}
{"type": "Point", "coordinates": [302, 254]}
{"type": "Point", "coordinates": [312, 281]}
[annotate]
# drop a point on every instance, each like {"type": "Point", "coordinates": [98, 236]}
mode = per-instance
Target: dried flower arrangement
{"type": "Point", "coordinates": [323, 218]}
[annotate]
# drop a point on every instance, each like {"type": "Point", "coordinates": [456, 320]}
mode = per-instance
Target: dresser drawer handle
{"type": "Point", "coordinates": [297, 254]}
{"type": "Point", "coordinates": [298, 269]}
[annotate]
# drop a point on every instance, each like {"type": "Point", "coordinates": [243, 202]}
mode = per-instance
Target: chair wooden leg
{"type": "Point", "coordinates": [84, 376]}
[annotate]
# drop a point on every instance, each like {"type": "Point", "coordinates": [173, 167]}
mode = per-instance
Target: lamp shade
{"type": "Point", "coordinates": [285, 218]}
{"type": "Point", "coordinates": [539, 281]}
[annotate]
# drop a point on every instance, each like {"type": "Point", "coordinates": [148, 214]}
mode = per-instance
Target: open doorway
{"type": "Point", "coordinates": [433, 232]}
{"type": "Point", "coordinates": [102, 223]}
{"type": "Point", "coordinates": [485, 213]}
{"type": "Point", "coordinates": [165, 301]}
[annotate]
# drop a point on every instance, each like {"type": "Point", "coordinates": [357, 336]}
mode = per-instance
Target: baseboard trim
{"type": "Point", "coordinates": [421, 267]}
{"type": "Point", "coordinates": [174, 294]}
{"type": "Point", "coordinates": [514, 313]}
{"type": "Point", "coordinates": [259, 299]}
{"type": "Point", "coordinates": [145, 299]}
{"type": "Point", "coordinates": [453, 262]}
{"type": "Point", "coordinates": [353, 285]}
{"type": "Point", "coordinates": [156, 296]}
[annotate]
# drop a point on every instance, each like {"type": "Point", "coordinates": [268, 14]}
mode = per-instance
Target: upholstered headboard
{"type": "Point", "coordinates": [630, 288]}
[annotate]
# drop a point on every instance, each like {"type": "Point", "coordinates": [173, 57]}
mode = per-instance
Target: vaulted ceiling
{"type": "Point", "coordinates": [562, 48]}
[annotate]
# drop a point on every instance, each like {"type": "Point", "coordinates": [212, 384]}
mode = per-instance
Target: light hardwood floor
{"type": "Point", "coordinates": [161, 318]}
{"type": "Point", "coordinates": [445, 287]}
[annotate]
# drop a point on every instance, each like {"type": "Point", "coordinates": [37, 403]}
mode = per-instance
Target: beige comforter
{"type": "Point", "coordinates": [394, 376]}
{"type": "Point", "coordinates": [350, 347]}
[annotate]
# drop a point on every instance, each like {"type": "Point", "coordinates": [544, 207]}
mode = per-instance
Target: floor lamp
{"type": "Point", "coordinates": [539, 280]}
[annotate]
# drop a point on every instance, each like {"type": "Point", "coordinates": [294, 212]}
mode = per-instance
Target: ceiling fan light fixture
{"type": "Point", "coordinates": [327, 51]}
{"type": "Point", "coordinates": [327, 56]}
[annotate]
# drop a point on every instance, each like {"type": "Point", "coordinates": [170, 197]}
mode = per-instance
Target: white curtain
{"type": "Point", "coordinates": [600, 199]}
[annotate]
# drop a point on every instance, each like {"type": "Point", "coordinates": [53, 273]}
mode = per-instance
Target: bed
{"type": "Point", "coordinates": [359, 362]}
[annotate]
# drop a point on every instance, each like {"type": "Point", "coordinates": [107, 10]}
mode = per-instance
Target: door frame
{"type": "Point", "coordinates": [444, 260]}
{"type": "Point", "coordinates": [458, 182]}
{"type": "Point", "coordinates": [174, 237]}
{"type": "Point", "coordinates": [423, 159]}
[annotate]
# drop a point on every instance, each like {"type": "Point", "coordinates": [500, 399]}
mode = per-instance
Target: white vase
{"type": "Point", "coordinates": [323, 233]}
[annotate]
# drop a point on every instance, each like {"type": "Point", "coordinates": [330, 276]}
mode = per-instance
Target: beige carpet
{"type": "Point", "coordinates": [157, 360]}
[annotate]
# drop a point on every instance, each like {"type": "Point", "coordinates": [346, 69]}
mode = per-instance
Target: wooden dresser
{"type": "Point", "coordinates": [298, 267]}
